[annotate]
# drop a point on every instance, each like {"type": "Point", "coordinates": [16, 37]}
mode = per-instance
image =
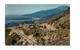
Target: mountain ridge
{"type": "Point", "coordinates": [47, 12]}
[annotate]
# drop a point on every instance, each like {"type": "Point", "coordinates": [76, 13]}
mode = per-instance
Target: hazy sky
{"type": "Point", "coordinates": [19, 9]}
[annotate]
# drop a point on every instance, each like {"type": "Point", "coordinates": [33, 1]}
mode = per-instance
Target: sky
{"type": "Point", "coordinates": [20, 9]}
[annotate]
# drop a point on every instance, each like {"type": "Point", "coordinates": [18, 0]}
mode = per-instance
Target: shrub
{"type": "Point", "coordinates": [68, 27]}
{"type": "Point", "coordinates": [41, 41]}
{"type": "Point", "coordinates": [35, 34]}
{"type": "Point", "coordinates": [57, 27]}
{"type": "Point", "coordinates": [44, 26]}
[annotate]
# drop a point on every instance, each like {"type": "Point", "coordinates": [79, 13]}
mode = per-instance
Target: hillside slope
{"type": "Point", "coordinates": [60, 25]}
{"type": "Point", "coordinates": [62, 19]}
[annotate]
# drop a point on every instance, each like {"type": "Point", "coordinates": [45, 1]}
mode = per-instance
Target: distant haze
{"type": "Point", "coordinates": [20, 9]}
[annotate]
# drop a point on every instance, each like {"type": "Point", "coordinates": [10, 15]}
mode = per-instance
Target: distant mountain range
{"type": "Point", "coordinates": [46, 13]}
{"type": "Point", "coordinates": [40, 15]}
{"type": "Point", "coordinates": [37, 16]}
